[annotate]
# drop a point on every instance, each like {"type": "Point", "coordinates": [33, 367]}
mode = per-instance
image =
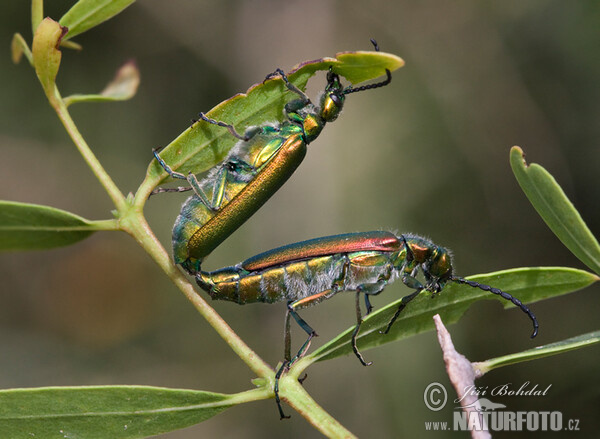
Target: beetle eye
{"type": "Point", "coordinates": [331, 106]}
{"type": "Point", "coordinates": [336, 99]}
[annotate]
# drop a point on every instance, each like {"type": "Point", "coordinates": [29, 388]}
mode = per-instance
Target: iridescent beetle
{"type": "Point", "coordinates": [308, 272]}
{"type": "Point", "coordinates": [262, 161]}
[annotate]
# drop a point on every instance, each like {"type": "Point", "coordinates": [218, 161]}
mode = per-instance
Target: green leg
{"type": "Point", "coordinates": [367, 290]}
{"type": "Point", "coordinates": [306, 327]}
{"type": "Point", "coordinates": [288, 361]}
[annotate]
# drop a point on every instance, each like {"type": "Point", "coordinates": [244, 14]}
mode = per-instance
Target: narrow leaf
{"type": "Point", "coordinates": [18, 48]}
{"type": "Point", "coordinates": [104, 411]}
{"type": "Point", "coordinates": [86, 14]}
{"type": "Point", "coordinates": [70, 45]}
{"type": "Point", "coordinates": [34, 227]}
{"type": "Point", "coordinates": [560, 347]}
{"type": "Point", "coordinates": [203, 145]}
{"type": "Point", "coordinates": [46, 56]}
{"type": "Point", "coordinates": [548, 198]}
{"type": "Point", "coordinates": [527, 284]}
{"type": "Point", "coordinates": [363, 66]}
{"type": "Point", "coordinates": [123, 86]}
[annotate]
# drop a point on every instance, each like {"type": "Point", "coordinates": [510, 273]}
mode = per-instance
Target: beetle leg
{"type": "Point", "coordinates": [287, 338]}
{"type": "Point", "coordinates": [405, 300]}
{"type": "Point", "coordinates": [280, 371]}
{"type": "Point", "coordinates": [368, 305]}
{"type": "Point", "coordinates": [305, 326]}
{"type": "Point", "coordinates": [218, 190]}
{"type": "Point", "coordinates": [291, 87]}
{"type": "Point", "coordinates": [195, 185]}
{"type": "Point", "coordinates": [288, 361]}
{"type": "Point", "coordinates": [377, 288]}
{"type": "Point", "coordinates": [359, 321]}
{"type": "Point", "coordinates": [231, 129]}
{"type": "Point", "coordinates": [166, 167]}
{"type": "Point", "coordinates": [191, 179]}
{"type": "Point", "coordinates": [160, 190]}
{"type": "Point", "coordinates": [231, 166]}
{"type": "Point", "coordinates": [367, 290]}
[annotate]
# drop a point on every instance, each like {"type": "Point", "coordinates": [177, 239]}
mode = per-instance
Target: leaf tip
{"type": "Point", "coordinates": [125, 83]}
{"type": "Point", "coordinates": [16, 49]}
{"type": "Point", "coordinates": [63, 31]}
{"type": "Point", "coordinates": [517, 159]}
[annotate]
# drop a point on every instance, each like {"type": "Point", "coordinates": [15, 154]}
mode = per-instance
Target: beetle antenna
{"type": "Point", "coordinates": [375, 45]}
{"type": "Point", "coordinates": [504, 295]}
{"type": "Point", "coordinates": [383, 83]}
{"type": "Point", "coordinates": [161, 190]}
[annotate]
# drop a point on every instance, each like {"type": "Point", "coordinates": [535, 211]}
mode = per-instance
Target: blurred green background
{"type": "Point", "coordinates": [427, 155]}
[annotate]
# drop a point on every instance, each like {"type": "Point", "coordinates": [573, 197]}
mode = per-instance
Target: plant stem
{"type": "Point", "coordinates": [297, 397]}
{"type": "Point", "coordinates": [63, 114]}
{"type": "Point", "coordinates": [104, 225]}
{"type": "Point", "coordinates": [37, 14]}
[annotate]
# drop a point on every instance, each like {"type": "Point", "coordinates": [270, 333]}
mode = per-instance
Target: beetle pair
{"type": "Point", "coordinates": [307, 272]}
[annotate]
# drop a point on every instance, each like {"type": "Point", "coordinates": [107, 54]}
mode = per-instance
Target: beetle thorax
{"type": "Point", "coordinates": [332, 102]}
{"type": "Point", "coordinates": [312, 124]}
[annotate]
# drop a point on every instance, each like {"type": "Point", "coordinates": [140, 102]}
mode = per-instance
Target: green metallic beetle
{"type": "Point", "coordinates": [308, 272]}
{"type": "Point", "coordinates": [261, 162]}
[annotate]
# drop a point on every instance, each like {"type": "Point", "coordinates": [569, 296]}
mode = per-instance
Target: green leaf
{"type": "Point", "coordinates": [556, 209]}
{"type": "Point", "coordinates": [18, 48]}
{"type": "Point", "coordinates": [581, 341]}
{"type": "Point", "coordinates": [202, 146]}
{"type": "Point", "coordinates": [527, 284]}
{"type": "Point", "coordinates": [104, 411]}
{"type": "Point", "coordinates": [85, 14]}
{"type": "Point", "coordinates": [123, 86]}
{"type": "Point", "coordinates": [34, 227]}
{"type": "Point", "coordinates": [362, 66]}
{"type": "Point", "coordinates": [46, 56]}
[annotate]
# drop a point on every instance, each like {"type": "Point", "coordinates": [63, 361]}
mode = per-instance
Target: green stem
{"type": "Point", "coordinates": [106, 225]}
{"type": "Point", "coordinates": [111, 188]}
{"type": "Point", "coordinates": [37, 14]}
{"type": "Point", "coordinates": [249, 396]}
{"type": "Point", "coordinates": [292, 392]}
{"type": "Point", "coordinates": [144, 191]}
